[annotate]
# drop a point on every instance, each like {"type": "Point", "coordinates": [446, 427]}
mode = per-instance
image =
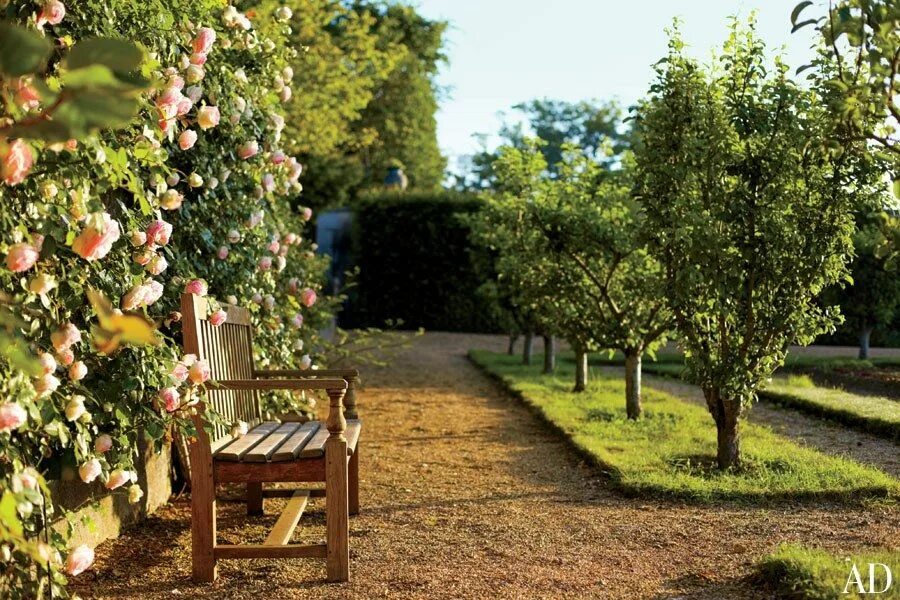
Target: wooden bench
{"type": "Point", "coordinates": [270, 451]}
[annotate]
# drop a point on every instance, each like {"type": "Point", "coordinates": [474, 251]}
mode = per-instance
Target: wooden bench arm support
{"type": "Point", "coordinates": [280, 384]}
{"type": "Point", "coordinates": [351, 375]}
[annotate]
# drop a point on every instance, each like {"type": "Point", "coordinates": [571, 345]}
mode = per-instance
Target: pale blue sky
{"type": "Point", "coordinates": [506, 51]}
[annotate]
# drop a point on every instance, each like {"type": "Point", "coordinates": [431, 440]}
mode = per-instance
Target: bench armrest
{"type": "Point", "coordinates": [280, 384]}
{"type": "Point", "coordinates": [347, 374]}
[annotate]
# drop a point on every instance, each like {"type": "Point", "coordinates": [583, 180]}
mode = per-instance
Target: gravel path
{"type": "Point", "coordinates": [465, 495]}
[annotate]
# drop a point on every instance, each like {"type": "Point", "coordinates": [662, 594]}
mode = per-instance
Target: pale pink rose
{"type": "Point", "coordinates": [176, 81]}
{"type": "Point", "coordinates": [248, 149]}
{"type": "Point", "coordinates": [159, 232]}
{"type": "Point", "coordinates": [204, 41]}
{"type": "Point", "coordinates": [295, 169]}
{"type": "Point", "coordinates": [257, 298]}
{"type": "Point", "coordinates": [194, 74]}
{"type": "Point", "coordinates": [103, 443]}
{"type": "Point", "coordinates": [273, 247]}
{"type": "Point", "coordinates": [197, 287]}
{"type": "Point", "coordinates": [143, 257]}
{"type": "Point", "coordinates": [48, 363]}
{"type": "Point", "coordinates": [137, 238]}
{"type": "Point", "coordinates": [52, 13]}
{"type": "Point", "coordinates": [278, 157]}
{"type": "Point", "coordinates": [21, 257]}
{"type": "Point", "coordinates": [170, 399]}
{"type": "Point", "coordinates": [293, 285]}
{"type": "Point", "coordinates": [46, 385]}
{"type": "Point", "coordinates": [280, 263]}
{"type": "Point", "coordinates": [222, 252]}
{"type": "Point", "coordinates": [179, 372]}
{"type": "Point", "coordinates": [187, 139]}
{"type": "Point", "coordinates": [234, 236]}
{"type": "Point", "coordinates": [269, 302]}
{"type": "Point", "coordinates": [78, 371]}
{"type": "Point", "coordinates": [66, 357]}
{"type": "Point", "coordinates": [256, 217]}
{"type": "Point", "coordinates": [71, 145]}
{"type": "Point", "coordinates": [305, 362]}
{"type": "Point", "coordinates": [308, 297]}
{"type": "Point", "coordinates": [184, 106]}
{"type": "Point", "coordinates": [268, 182]}
{"type": "Point", "coordinates": [306, 213]}
{"type": "Point", "coordinates": [90, 470]}
{"type": "Point", "coordinates": [12, 416]}
{"type": "Point", "coordinates": [28, 479]}
{"type": "Point", "coordinates": [218, 317]}
{"type": "Point", "coordinates": [199, 372]}
{"type": "Point", "coordinates": [96, 239]}
{"type": "Point", "coordinates": [26, 96]}
{"type": "Point", "coordinates": [198, 59]}
{"type": "Point", "coordinates": [208, 117]}
{"type": "Point", "coordinates": [117, 479]}
{"type": "Point", "coordinates": [79, 560]}
{"type": "Point", "coordinates": [65, 337]}
{"type": "Point", "coordinates": [171, 200]}
{"type": "Point", "coordinates": [290, 238]}
{"type": "Point", "coordinates": [153, 292]}
{"type": "Point", "coordinates": [157, 264]}
{"type": "Point", "coordinates": [285, 94]}
{"type": "Point", "coordinates": [134, 297]}
{"type": "Point", "coordinates": [164, 126]}
{"type": "Point", "coordinates": [265, 263]}
{"type": "Point", "coordinates": [167, 102]}
{"type": "Point", "coordinates": [297, 321]}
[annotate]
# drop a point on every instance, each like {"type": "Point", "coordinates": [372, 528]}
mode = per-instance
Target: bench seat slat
{"type": "Point", "coordinates": [294, 444]}
{"type": "Point", "coordinates": [267, 447]}
{"type": "Point", "coordinates": [316, 446]}
{"type": "Point", "coordinates": [240, 446]}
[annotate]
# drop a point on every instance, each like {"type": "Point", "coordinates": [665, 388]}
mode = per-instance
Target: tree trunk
{"type": "Point", "coordinates": [549, 354]}
{"type": "Point", "coordinates": [727, 415]}
{"type": "Point", "coordinates": [633, 384]}
{"type": "Point", "coordinates": [511, 347]}
{"type": "Point", "coordinates": [528, 348]}
{"type": "Point", "coordinates": [581, 371]}
{"type": "Point", "coordinates": [864, 336]}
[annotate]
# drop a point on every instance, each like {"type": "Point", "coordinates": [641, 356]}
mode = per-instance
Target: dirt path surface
{"type": "Point", "coordinates": [821, 434]}
{"type": "Point", "coordinates": [465, 495]}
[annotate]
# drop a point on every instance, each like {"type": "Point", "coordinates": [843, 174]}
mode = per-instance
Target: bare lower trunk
{"type": "Point", "coordinates": [549, 354]}
{"type": "Point", "coordinates": [511, 347]}
{"type": "Point", "coordinates": [864, 337]}
{"type": "Point", "coordinates": [633, 384]}
{"type": "Point", "coordinates": [528, 349]}
{"type": "Point", "coordinates": [581, 371]}
{"type": "Point", "coordinates": [727, 415]}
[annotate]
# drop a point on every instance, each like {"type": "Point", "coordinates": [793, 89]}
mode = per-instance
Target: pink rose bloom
{"type": "Point", "coordinates": [48, 363]}
{"type": "Point", "coordinates": [21, 257]}
{"type": "Point", "coordinates": [204, 41]}
{"type": "Point", "coordinates": [137, 238]}
{"type": "Point", "coordinates": [26, 96]}
{"type": "Point", "coordinates": [90, 470]}
{"type": "Point", "coordinates": [218, 317]}
{"type": "Point", "coordinates": [103, 443]}
{"type": "Point", "coordinates": [96, 239]}
{"type": "Point", "coordinates": [159, 232]}
{"type": "Point", "coordinates": [46, 385]}
{"type": "Point", "coordinates": [278, 157]}
{"type": "Point", "coordinates": [179, 372]}
{"type": "Point", "coordinates": [134, 297]}
{"type": "Point", "coordinates": [15, 162]}
{"type": "Point", "coordinates": [198, 59]}
{"type": "Point", "coordinates": [273, 247]}
{"type": "Point", "coordinates": [117, 479]}
{"type": "Point", "coordinates": [176, 81]}
{"type": "Point", "coordinates": [170, 399]}
{"type": "Point", "coordinates": [65, 337]}
{"type": "Point", "coordinates": [184, 106]}
{"type": "Point", "coordinates": [171, 200]}
{"type": "Point", "coordinates": [265, 263]}
{"type": "Point", "coordinates": [257, 298]}
{"type": "Point", "coordinates": [268, 182]}
{"type": "Point", "coordinates": [222, 253]}
{"type": "Point", "coordinates": [28, 479]}
{"type": "Point", "coordinates": [197, 287]}
{"type": "Point", "coordinates": [248, 149]}
{"type": "Point", "coordinates": [79, 560]}
{"type": "Point", "coordinates": [144, 257]}
{"type": "Point", "coordinates": [52, 13]}
{"type": "Point", "coordinates": [305, 362]}
{"type": "Point", "coordinates": [269, 302]}
{"type": "Point", "coordinates": [157, 264]}
{"type": "Point", "coordinates": [208, 117]}
{"type": "Point", "coordinates": [290, 238]}
{"type": "Point", "coordinates": [199, 372]}
{"type": "Point", "coordinates": [66, 357]}
{"type": "Point", "coordinates": [308, 297]}
{"type": "Point", "coordinates": [306, 213]}
{"type": "Point", "coordinates": [12, 416]}
{"type": "Point", "coordinates": [78, 371]}
{"type": "Point", "coordinates": [187, 139]}
{"type": "Point", "coordinates": [153, 291]}
{"type": "Point", "coordinates": [194, 74]}
{"type": "Point", "coordinates": [297, 321]}
{"type": "Point", "coordinates": [167, 102]}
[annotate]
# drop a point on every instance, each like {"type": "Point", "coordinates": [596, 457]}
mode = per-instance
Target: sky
{"type": "Point", "coordinates": [503, 52]}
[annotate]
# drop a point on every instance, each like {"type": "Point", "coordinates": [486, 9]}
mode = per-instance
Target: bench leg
{"type": "Point", "coordinates": [353, 499]}
{"type": "Point", "coordinates": [337, 518]}
{"type": "Point", "coordinates": [254, 498]}
{"type": "Point", "coordinates": [203, 522]}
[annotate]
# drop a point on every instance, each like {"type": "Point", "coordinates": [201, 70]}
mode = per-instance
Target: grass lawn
{"type": "Point", "coordinates": [671, 451]}
{"type": "Point", "coordinates": [808, 574]}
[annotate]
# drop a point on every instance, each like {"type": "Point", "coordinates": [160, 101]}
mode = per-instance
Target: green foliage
{"type": "Point", "coordinates": [812, 574]}
{"type": "Point", "coordinates": [667, 453]}
{"type": "Point", "coordinates": [416, 265]}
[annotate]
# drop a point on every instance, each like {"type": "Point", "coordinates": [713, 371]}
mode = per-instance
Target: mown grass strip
{"type": "Point", "coordinates": [809, 574]}
{"type": "Point", "coordinates": [671, 451]}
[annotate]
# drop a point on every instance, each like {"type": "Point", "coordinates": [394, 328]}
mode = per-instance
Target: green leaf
{"type": "Point", "coordinates": [795, 14]}
{"type": "Point", "coordinates": [21, 51]}
{"type": "Point", "coordinates": [802, 24]}
{"type": "Point", "coordinates": [118, 55]}
{"type": "Point", "coordinates": [93, 75]}
{"type": "Point", "coordinates": [897, 188]}
{"type": "Point", "coordinates": [8, 515]}
{"type": "Point", "coordinates": [91, 110]}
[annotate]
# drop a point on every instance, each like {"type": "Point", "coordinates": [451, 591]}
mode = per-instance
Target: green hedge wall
{"type": "Point", "coordinates": [416, 264]}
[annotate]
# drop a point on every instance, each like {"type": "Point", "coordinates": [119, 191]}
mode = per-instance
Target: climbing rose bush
{"type": "Point", "coordinates": [191, 194]}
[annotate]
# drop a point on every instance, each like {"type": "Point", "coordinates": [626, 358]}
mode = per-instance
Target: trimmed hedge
{"type": "Point", "coordinates": [416, 264]}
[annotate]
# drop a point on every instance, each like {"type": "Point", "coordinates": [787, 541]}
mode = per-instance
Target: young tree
{"type": "Point", "coordinates": [749, 212]}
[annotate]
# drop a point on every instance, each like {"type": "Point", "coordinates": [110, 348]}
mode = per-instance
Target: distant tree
{"type": "Point", "coordinates": [750, 213]}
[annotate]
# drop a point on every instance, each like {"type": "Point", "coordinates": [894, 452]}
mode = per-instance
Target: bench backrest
{"type": "Point", "coordinates": [229, 350]}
